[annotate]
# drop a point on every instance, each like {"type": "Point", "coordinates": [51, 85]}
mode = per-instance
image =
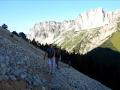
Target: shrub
{"type": "Point", "coordinates": [4, 26]}
{"type": "Point", "coordinates": [21, 34]}
{"type": "Point", "coordinates": [15, 33]}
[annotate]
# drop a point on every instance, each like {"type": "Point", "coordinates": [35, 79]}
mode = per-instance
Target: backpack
{"type": "Point", "coordinates": [50, 52]}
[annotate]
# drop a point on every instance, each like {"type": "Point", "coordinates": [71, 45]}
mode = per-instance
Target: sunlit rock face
{"type": "Point", "coordinates": [47, 31]}
{"type": "Point", "coordinates": [44, 32]}
{"type": "Point", "coordinates": [88, 31]}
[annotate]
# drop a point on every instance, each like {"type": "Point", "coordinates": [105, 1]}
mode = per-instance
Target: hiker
{"type": "Point", "coordinates": [51, 58]}
{"type": "Point", "coordinates": [57, 57]}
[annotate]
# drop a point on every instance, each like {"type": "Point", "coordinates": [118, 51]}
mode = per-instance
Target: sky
{"type": "Point", "coordinates": [21, 15]}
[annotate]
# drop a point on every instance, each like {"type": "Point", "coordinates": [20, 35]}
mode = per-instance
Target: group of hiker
{"type": "Point", "coordinates": [54, 56]}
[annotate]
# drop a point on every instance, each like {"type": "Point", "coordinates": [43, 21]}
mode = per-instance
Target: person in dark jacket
{"type": "Point", "coordinates": [51, 58]}
{"type": "Point", "coordinates": [57, 57]}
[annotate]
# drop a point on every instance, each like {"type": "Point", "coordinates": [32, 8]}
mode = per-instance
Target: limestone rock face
{"type": "Point", "coordinates": [96, 20]}
{"type": "Point", "coordinates": [92, 19]}
{"type": "Point", "coordinates": [46, 32]}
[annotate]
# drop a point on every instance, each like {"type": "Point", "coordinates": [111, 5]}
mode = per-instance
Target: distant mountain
{"type": "Point", "coordinates": [88, 31]}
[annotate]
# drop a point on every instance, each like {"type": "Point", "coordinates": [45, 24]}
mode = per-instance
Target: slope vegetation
{"type": "Point", "coordinates": [114, 41]}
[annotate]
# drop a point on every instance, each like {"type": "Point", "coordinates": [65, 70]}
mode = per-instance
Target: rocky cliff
{"type": "Point", "coordinates": [19, 60]}
{"type": "Point", "coordinates": [88, 31]}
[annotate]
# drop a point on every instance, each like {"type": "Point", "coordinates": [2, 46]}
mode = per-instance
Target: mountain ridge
{"type": "Point", "coordinates": [102, 24]}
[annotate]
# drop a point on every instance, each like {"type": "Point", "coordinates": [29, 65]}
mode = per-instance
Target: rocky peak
{"type": "Point", "coordinates": [91, 19]}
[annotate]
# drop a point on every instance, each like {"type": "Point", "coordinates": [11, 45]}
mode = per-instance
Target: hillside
{"type": "Point", "coordinates": [114, 41]}
{"type": "Point", "coordinates": [19, 60]}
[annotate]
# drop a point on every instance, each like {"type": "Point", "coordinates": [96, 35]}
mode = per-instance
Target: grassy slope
{"type": "Point", "coordinates": [76, 41]}
{"type": "Point", "coordinates": [73, 41]}
{"type": "Point", "coordinates": [116, 40]}
{"type": "Point", "coordinates": [113, 42]}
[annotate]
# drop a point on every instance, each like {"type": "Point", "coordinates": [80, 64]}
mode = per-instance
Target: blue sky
{"type": "Point", "coordinates": [21, 15]}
